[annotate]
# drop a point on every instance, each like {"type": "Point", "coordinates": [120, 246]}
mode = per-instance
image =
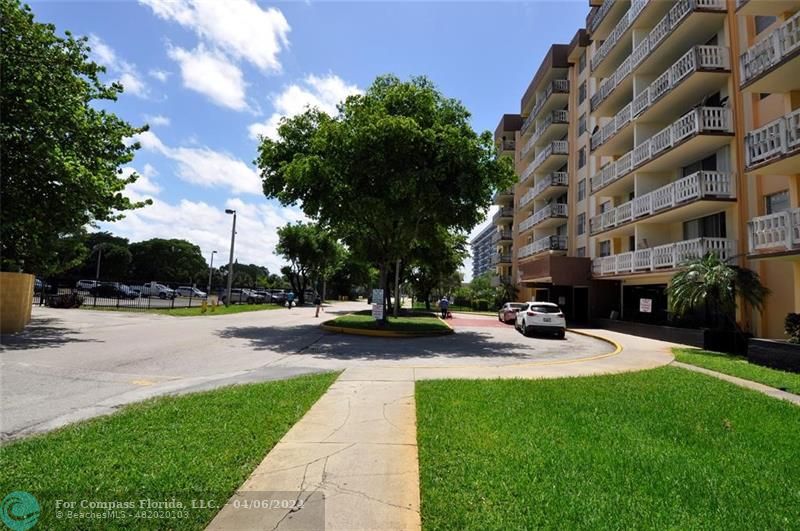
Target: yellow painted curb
{"type": "Point", "coordinates": [617, 346]}
{"type": "Point", "coordinates": [382, 333]}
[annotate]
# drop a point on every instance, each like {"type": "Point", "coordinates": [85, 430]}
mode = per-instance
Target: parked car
{"type": "Point", "coordinates": [543, 317]}
{"type": "Point", "coordinates": [85, 285]}
{"type": "Point", "coordinates": [154, 289]}
{"type": "Point", "coordinates": [189, 291]}
{"type": "Point", "coordinates": [113, 290]}
{"type": "Point", "coordinates": [278, 296]}
{"type": "Point", "coordinates": [508, 313]}
{"type": "Point", "coordinates": [242, 295]}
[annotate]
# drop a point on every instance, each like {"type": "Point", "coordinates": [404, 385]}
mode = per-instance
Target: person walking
{"type": "Point", "coordinates": [444, 306]}
{"type": "Point", "coordinates": [318, 304]}
{"type": "Point", "coordinates": [290, 299]}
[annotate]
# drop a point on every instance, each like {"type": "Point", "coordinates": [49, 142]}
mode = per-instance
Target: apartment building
{"type": "Point", "coordinates": [665, 130]}
{"type": "Point", "coordinates": [483, 251]}
{"type": "Point", "coordinates": [503, 219]}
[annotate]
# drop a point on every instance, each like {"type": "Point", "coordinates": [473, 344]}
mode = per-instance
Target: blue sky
{"type": "Point", "coordinates": [210, 76]}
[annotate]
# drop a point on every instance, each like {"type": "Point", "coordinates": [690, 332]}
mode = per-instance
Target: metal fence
{"type": "Point", "coordinates": [132, 295]}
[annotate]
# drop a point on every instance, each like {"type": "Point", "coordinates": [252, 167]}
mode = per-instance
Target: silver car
{"type": "Point", "coordinates": [508, 313]}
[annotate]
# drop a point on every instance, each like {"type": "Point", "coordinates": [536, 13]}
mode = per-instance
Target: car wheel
{"type": "Point", "coordinates": [162, 295]}
{"type": "Point", "coordinates": [249, 300]}
{"type": "Point", "coordinates": [561, 334]}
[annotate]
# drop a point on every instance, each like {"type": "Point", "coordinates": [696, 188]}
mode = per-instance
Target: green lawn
{"type": "Point", "coordinates": [739, 367]}
{"type": "Point", "coordinates": [411, 322]}
{"type": "Point", "coordinates": [658, 449]}
{"type": "Point", "coordinates": [196, 310]}
{"type": "Point", "coordinates": [193, 446]}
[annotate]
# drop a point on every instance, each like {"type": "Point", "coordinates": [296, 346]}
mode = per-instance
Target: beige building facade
{"type": "Point", "coordinates": [663, 131]}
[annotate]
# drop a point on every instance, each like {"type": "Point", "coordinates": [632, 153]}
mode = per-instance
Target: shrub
{"type": "Point", "coordinates": [460, 300]}
{"type": "Point", "coordinates": [792, 327]}
{"type": "Point", "coordinates": [480, 305]}
{"type": "Point", "coordinates": [66, 300]}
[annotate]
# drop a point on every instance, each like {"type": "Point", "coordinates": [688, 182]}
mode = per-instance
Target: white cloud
{"type": "Point", "coordinates": [322, 92]}
{"type": "Point", "coordinates": [126, 73]}
{"type": "Point", "coordinates": [210, 73]}
{"type": "Point", "coordinates": [239, 28]}
{"type": "Point", "coordinates": [145, 186]}
{"type": "Point", "coordinates": [209, 227]}
{"type": "Point", "coordinates": [161, 75]}
{"type": "Point", "coordinates": [157, 119]}
{"type": "Point", "coordinates": [206, 167]}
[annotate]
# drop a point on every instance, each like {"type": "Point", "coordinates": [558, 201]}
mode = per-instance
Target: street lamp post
{"type": "Point", "coordinates": [210, 272]}
{"type": "Point", "coordinates": [230, 260]}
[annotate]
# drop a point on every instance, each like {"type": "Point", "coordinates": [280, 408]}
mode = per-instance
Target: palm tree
{"type": "Point", "coordinates": [714, 283]}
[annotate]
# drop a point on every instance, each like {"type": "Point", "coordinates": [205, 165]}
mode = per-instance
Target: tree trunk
{"type": "Point", "coordinates": [397, 288]}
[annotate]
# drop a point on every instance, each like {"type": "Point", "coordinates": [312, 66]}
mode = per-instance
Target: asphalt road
{"type": "Point", "coordinates": [74, 364]}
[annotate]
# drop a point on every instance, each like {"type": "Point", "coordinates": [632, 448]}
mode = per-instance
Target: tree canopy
{"type": "Point", "coordinates": [167, 260]}
{"type": "Point", "coordinates": [393, 167]}
{"type": "Point", "coordinates": [312, 252]}
{"type": "Point", "coordinates": [62, 153]}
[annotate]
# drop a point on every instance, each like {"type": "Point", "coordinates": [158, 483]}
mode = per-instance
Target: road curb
{"type": "Point", "coordinates": [383, 333]}
{"type": "Point", "coordinates": [617, 346]}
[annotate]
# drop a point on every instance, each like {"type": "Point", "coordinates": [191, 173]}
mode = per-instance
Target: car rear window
{"type": "Point", "coordinates": [516, 306]}
{"type": "Point", "coordinates": [541, 308]}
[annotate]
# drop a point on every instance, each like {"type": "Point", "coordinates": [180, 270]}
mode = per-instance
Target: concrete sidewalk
{"type": "Point", "coordinates": [357, 445]}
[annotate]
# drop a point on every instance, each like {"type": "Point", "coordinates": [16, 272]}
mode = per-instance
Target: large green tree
{"type": "Point", "coordinates": [168, 261]}
{"type": "Point", "coordinates": [312, 253]}
{"type": "Point", "coordinates": [434, 263]}
{"type": "Point", "coordinates": [61, 150]}
{"type": "Point", "coordinates": [111, 251]}
{"type": "Point", "coordinates": [395, 165]}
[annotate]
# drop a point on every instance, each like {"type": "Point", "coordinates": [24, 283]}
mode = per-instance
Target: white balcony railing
{"type": "Point", "coordinates": [556, 86]}
{"type": "Point", "coordinates": [551, 210]}
{"type": "Point", "coordinates": [771, 50]}
{"type": "Point", "coordinates": [556, 147]}
{"type": "Point", "coordinates": [697, 58]}
{"type": "Point", "coordinates": [557, 178]}
{"type": "Point", "coordinates": [776, 139]}
{"type": "Point", "coordinates": [527, 197]}
{"type": "Point", "coordinates": [663, 257]}
{"type": "Point", "coordinates": [664, 27]}
{"type": "Point", "coordinates": [597, 17]}
{"type": "Point", "coordinates": [699, 120]}
{"type": "Point", "coordinates": [559, 116]}
{"type": "Point", "coordinates": [699, 185]}
{"type": "Point", "coordinates": [548, 243]}
{"type": "Point", "coordinates": [501, 235]}
{"type": "Point", "coordinates": [775, 232]}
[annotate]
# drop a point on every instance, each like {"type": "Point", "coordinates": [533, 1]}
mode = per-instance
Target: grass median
{"type": "Point", "coordinates": [739, 367]}
{"type": "Point", "coordinates": [665, 448]}
{"type": "Point", "coordinates": [409, 322]}
{"type": "Point", "coordinates": [198, 446]}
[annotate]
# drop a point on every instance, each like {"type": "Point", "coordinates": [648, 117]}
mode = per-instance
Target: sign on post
{"type": "Point", "coordinates": [645, 305]}
{"type": "Point", "coordinates": [377, 304]}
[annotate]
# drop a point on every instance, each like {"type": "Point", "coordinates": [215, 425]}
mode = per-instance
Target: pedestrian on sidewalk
{"type": "Point", "coordinates": [318, 304]}
{"type": "Point", "coordinates": [444, 306]}
{"type": "Point", "coordinates": [290, 299]}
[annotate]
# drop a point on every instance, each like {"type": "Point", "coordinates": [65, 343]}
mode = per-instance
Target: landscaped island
{"type": "Point", "coordinates": [408, 321]}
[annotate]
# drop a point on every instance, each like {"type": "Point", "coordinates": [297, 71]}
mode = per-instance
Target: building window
{"type": "Point", "coordinates": [581, 189]}
{"type": "Point", "coordinates": [580, 252]}
{"type": "Point", "coordinates": [581, 124]}
{"type": "Point", "coordinates": [582, 63]}
{"type": "Point", "coordinates": [712, 226]}
{"type": "Point", "coordinates": [763, 22]}
{"type": "Point", "coordinates": [605, 248]}
{"type": "Point", "coordinates": [778, 202]}
{"type": "Point", "coordinates": [582, 92]}
{"type": "Point", "coordinates": [581, 223]}
{"type": "Point", "coordinates": [582, 157]}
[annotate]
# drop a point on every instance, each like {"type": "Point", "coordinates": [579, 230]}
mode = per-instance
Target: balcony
{"type": "Point", "coordinates": [663, 258]}
{"type": "Point", "coordinates": [501, 258]}
{"type": "Point", "coordinates": [506, 146]}
{"type": "Point", "coordinates": [600, 22]}
{"type": "Point", "coordinates": [504, 197]}
{"type": "Point", "coordinates": [662, 202]}
{"type": "Point", "coordinates": [501, 235]}
{"type": "Point", "coordinates": [554, 96]}
{"type": "Point", "coordinates": [548, 243]}
{"type": "Point", "coordinates": [552, 157]}
{"type": "Point", "coordinates": [616, 88]}
{"type": "Point", "coordinates": [554, 125]}
{"type": "Point", "coordinates": [503, 215]}
{"type": "Point", "coordinates": [695, 74]}
{"type": "Point", "coordinates": [695, 134]}
{"type": "Point", "coordinates": [552, 184]}
{"type": "Point", "coordinates": [774, 148]}
{"type": "Point", "coordinates": [774, 233]}
{"type": "Point", "coordinates": [772, 7]}
{"type": "Point", "coordinates": [771, 65]}
{"type": "Point", "coordinates": [548, 215]}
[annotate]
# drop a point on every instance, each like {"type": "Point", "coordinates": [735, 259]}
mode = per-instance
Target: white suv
{"type": "Point", "coordinates": [541, 317]}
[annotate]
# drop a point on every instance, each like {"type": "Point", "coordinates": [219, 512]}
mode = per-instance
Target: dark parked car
{"type": "Point", "coordinates": [113, 290]}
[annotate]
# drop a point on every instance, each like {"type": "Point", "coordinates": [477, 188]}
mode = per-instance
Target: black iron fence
{"type": "Point", "coordinates": [133, 295]}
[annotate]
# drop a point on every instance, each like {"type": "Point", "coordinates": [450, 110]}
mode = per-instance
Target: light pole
{"type": "Point", "coordinates": [230, 260]}
{"type": "Point", "coordinates": [99, 249]}
{"type": "Point", "coordinates": [210, 272]}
